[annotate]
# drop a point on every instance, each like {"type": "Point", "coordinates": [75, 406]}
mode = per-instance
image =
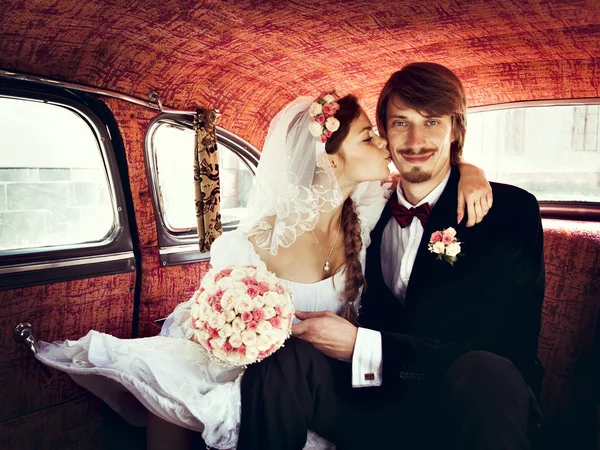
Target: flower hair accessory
{"type": "Point", "coordinates": [322, 112]}
{"type": "Point", "coordinates": [445, 245]}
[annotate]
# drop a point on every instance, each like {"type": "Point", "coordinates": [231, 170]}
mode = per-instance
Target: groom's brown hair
{"type": "Point", "coordinates": [433, 90]}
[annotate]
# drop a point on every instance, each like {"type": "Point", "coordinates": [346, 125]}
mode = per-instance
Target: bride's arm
{"type": "Point", "coordinates": [474, 192]}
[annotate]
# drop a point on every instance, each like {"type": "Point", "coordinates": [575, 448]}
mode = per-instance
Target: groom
{"type": "Point", "coordinates": [449, 321]}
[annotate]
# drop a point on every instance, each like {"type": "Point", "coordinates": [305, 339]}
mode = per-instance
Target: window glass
{"type": "Point", "coordinates": [53, 185]}
{"type": "Point", "coordinates": [551, 151]}
{"type": "Point", "coordinates": [174, 148]}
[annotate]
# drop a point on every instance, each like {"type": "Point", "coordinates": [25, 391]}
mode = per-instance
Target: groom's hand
{"type": "Point", "coordinates": [328, 332]}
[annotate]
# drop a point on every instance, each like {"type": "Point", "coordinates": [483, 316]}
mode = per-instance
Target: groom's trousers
{"type": "Point", "coordinates": [481, 403]}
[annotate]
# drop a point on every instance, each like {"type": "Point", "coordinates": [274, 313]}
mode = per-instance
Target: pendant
{"type": "Point", "coordinates": [326, 268]}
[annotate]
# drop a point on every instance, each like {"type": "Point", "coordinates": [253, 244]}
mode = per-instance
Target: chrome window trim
{"type": "Point", "coordinates": [67, 262]}
{"type": "Point", "coordinates": [554, 209]}
{"type": "Point", "coordinates": [178, 247]}
{"type": "Point", "coordinates": [118, 241]}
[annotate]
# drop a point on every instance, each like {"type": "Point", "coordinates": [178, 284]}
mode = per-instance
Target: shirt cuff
{"type": "Point", "coordinates": [367, 361]}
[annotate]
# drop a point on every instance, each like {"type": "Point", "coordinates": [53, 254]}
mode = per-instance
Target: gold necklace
{"type": "Point", "coordinates": [328, 255]}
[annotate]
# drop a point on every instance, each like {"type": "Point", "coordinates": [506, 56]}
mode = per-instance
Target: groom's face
{"type": "Point", "coordinates": [419, 144]}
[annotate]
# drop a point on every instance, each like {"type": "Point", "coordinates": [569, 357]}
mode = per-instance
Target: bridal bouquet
{"type": "Point", "coordinates": [241, 314]}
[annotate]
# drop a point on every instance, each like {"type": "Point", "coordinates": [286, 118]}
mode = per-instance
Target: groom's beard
{"type": "Point", "coordinates": [416, 174]}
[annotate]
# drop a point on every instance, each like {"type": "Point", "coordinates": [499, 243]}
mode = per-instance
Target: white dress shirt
{"type": "Point", "coordinates": [398, 252]}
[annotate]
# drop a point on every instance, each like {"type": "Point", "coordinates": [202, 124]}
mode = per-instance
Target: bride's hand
{"type": "Point", "coordinates": [475, 192]}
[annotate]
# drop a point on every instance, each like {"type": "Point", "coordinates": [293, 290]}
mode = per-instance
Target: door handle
{"type": "Point", "coordinates": [23, 334]}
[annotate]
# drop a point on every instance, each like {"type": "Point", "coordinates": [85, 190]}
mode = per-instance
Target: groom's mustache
{"type": "Point", "coordinates": [413, 152]}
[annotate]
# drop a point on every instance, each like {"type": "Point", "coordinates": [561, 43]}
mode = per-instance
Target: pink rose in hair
{"type": "Point", "coordinates": [321, 118]}
{"type": "Point", "coordinates": [247, 316]}
{"type": "Point", "coordinates": [323, 138]}
{"type": "Point", "coordinates": [436, 237]}
{"type": "Point", "coordinates": [252, 291]}
{"type": "Point", "coordinates": [335, 106]}
{"type": "Point", "coordinates": [327, 133]}
{"type": "Point", "coordinates": [328, 108]}
{"type": "Point", "coordinates": [258, 314]}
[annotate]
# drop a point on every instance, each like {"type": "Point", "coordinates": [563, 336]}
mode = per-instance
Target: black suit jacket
{"type": "Point", "coordinates": [491, 299]}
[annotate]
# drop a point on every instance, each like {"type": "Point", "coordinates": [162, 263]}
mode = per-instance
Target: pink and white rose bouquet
{"type": "Point", "coordinates": [445, 245]}
{"type": "Point", "coordinates": [241, 314]}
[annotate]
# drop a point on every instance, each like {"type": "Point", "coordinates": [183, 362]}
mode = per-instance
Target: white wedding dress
{"type": "Point", "coordinates": [170, 375]}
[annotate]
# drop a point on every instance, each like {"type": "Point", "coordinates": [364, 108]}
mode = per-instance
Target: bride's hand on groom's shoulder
{"type": "Point", "coordinates": [328, 332]}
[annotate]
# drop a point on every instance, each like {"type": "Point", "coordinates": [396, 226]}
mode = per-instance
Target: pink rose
{"type": "Point", "coordinates": [194, 325]}
{"type": "Point", "coordinates": [447, 239]}
{"type": "Point", "coordinates": [323, 138]}
{"type": "Point", "coordinates": [208, 344]}
{"type": "Point", "coordinates": [271, 349]}
{"type": "Point", "coordinates": [249, 281]}
{"type": "Point", "coordinates": [218, 294]}
{"type": "Point", "coordinates": [278, 311]}
{"type": "Point", "coordinates": [241, 350]}
{"type": "Point", "coordinates": [436, 237]}
{"type": "Point", "coordinates": [321, 119]}
{"type": "Point", "coordinates": [263, 288]}
{"type": "Point", "coordinates": [247, 316]}
{"type": "Point", "coordinates": [262, 355]}
{"type": "Point", "coordinates": [327, 133]}
{"type": "Point", "coordinates": [226, 272]}
{"type": "Point", "coordinates": [218, 276]}
{"type": "Point", "coordinates": [217, 307]}
{"type": "Point", "coordinates": [206, 326]}
{"type": "Point", "coordinates": [275, 322]}
{"type": "Point", "coordinates": [280, 289]}
{"type": "Point", "coordinates": [252, 326]}
{"type": "Point", "coordinates": [252, 291]}
{"type": "Point", "coordinates": [335, 106]}
{"type": "Point", "coordinates": [258, 314]}
{"type": "Point", "coordinates": [210, 301]}
{"type": "Point", "coordinates": [227, 347]}
{"type": "Point", "coordinates": [214, 333]}
{"type": "Point", "coordinates": [328, 108]}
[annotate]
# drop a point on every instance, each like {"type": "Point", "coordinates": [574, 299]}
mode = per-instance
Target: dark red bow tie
{"type": "Point", "coordinates": [405, 215]}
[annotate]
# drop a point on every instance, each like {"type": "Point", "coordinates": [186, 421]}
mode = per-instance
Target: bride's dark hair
{"type": "Point", "coordinates": [355, 280]}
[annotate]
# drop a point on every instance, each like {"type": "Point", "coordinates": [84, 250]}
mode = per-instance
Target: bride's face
{"type": "Point", "coordinates": [363, 155]}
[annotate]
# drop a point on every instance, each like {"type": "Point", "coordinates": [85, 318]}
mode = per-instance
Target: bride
{"type": "Point", "coordinates": [316, 196]}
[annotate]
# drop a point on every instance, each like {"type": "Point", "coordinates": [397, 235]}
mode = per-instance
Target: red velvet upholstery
{"type": "Point", "coordinates": [571, 306]}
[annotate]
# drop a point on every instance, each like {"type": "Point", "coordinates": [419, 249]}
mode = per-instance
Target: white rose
{"type": "Point", "coordinates": [258, 302]}
{"type": "Point", "coordinates": [438, 247]}
{"type": "Point", "coordinates": [217, 320]}
{"type": "Point", "coordinates": [264, 327]}
{"type": "Point", "coordinates": [238, 273]}
{"type": "Point", "coordinates": [315, 109]}
{"type": "Point", "coordinates": [208, 283]}
{"type": "Point", "coordinates": [238, 325]}
{"type": "Point", "coordinates": [195, 311]}
{"type": "Point", "coordinates": [263, 343]}
{"type": "Point", "coordinates": [451, 231]}
{"type": "Point", "coordinates": [226, 330]}
{"type": "Point", "coordinates": [286, 309]}
{"type": "Point", "coordinates": [249, 337]}
{"type": "Point", "coordinates": [229, 315]}
{"type": "Point", "coordinates": [269, 312]}
{"type": "Point", "coordinates": [201, 336]}
{"type": "Point", "coordinates": [316, 129]}
{"type": "Point", "coordinates": [205, 311]}
{"type": "Point", "coordinates": [225, 283]}
{"type": "Point", "coordinates": [271, 298]}
{"type": "Point", "coordinates": [250, 272]}
{"type": "Point", "coordinates": [267, 277]}
{"type": "Point", "coordinates": [277, 336]}
{"type": "Point", "coordinates": [236, 340]}
{"type": "Point", "coordinates": [329, 98]}
{"type": "Point", "coordinates": [332, 124]}
{"type": "Point", "coordinates": [251, 353]}
{"type": "Point", "coordinates": [453, 249]}
{"type": "Point", "coordinates": [228, 300]}
{"type": "Point", "coordinates": [243, 303]}
{"type": "Point", "coordinates": [217, 342]}
{"type": "Point", "coordinates": [219, 353]}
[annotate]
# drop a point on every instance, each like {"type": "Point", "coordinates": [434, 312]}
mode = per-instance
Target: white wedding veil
{"type": "Point", "coordinates": [294, 181]}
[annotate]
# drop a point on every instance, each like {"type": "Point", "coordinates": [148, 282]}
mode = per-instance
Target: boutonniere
{"type": "Point", "coordinates": [445, 245]}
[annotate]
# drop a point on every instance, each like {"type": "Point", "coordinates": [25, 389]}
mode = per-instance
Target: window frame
{"type": "Point", "coordinates": [553, 209]}
{"type": "Point", "coordinates": [175, 247]}
{"type": "Point", "coordinates": [114, 254]}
